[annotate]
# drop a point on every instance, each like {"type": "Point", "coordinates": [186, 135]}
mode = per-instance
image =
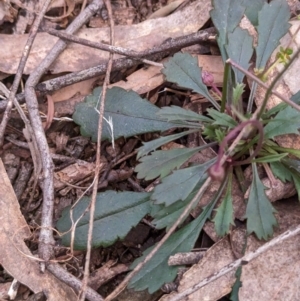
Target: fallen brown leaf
{"type": "Point", "coordinates": [77, 57]}
{"type": "Point", "coordinates": [15, 257]}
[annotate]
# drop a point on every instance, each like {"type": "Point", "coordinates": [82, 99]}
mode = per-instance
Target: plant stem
{"type": "Point", "coordinates": [270, 89]}
{"type": "Point", "coordinates": [225, 86]}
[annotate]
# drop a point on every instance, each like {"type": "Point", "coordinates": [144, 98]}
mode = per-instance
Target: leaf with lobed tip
{"type": "Point", "coordinates": [131, 115]}
{"type": "Point", "coordinates": [115, 214]}
{"type": "Point", "coordinates": [259, 212]}
{"type": "Point", "coordinates": [226, 16]}
{"type": "Point", "coordinates": [180, 184]}
{"type": "Point", "coordinates": [161, 163]}
{"type": "Point", "coordinates": [182, 69]}
{"type": "Point", "coordinates": [239, 49]}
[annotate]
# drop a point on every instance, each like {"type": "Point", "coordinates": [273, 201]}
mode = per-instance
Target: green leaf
{"type": "Point", "coordinates": [272, 26]}
{"type": "Point", "coordinates": [259, 212]}
{"type": "Point", "coordinates": [238, 91]}
{"type": "Point", "coordinates": [287, 121]}
{"type": "Point", "coordinates": [156, 272]}
{"type": "Point", "coordinates": [131, 115]}
{"type": "Point", "coordinates": [234, 295]}
{"type": "Point", "coordinates": [115, 214]}
{"type": "Point", "coordinates": [295, 98]}
{"type": "Point", "coordinates": [177, 114]}
{"type": "Point", "coordinates": [161, 163]}
{"type": "Point", "coordinates": [224, 216]}
{"type": "Point", "coordinates": [226, 16]}
{"type": "Point", "coordinates": [222, 119]}
{"type": "Point", "coordinates": [270, 158]}
{"type": "Point", "coordinates": [252, 9]}
{"type": "Point", "coordinates": [240, 50]}
{"type": "Point", "coordinates": [165, 217]}
{"type": "Point", "coordinates": [296, 180]}
{"type": "Point", "coordinates": [281, 172]}
{"type": "Point", "coordinates": [154, 144]}
{"type": "Point", "coordinates": [292, 164]}
{"type": "Point", "coordinates": [180, 184]}
{"type": "Point", "coordinates": [182, 69]}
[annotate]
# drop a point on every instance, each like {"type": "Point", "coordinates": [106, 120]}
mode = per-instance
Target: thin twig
{"type": "Point", "coordinates": [98, 157]}
{"type": "Point", "coordinates": [261, 83]}
{"type": "Point", "coordinates": [72, 281]}
{"type": "Point", "coordinates": [170, 45]}
{"type": "Point", "coordinates": [17, 79]}
{"type": "Point", "coordinates": [46, 236]}
{"type": "Point", "coordinates": [232, 266]}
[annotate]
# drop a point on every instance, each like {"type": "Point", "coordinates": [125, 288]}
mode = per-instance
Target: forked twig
{"type": "Point", "coordinates": [46, 237]}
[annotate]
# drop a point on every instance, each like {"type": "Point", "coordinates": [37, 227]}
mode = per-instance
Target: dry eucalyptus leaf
{"type": "Point", "coordinates": [276, 192]}
{"type": "Point", "coordinates": [215, 258]}
{"type": "Point", "coordinates": [271, 276]}
{"type": "Point", "coordinates": [275, 274]}
{"type": "Point", "coordinates": [15, 255]}
{"type": "Point", "coordinates": [76, 57]}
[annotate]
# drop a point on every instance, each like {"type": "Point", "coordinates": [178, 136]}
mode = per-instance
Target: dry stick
{"type": "Point", "coordinates": [72, 281]}
{"type": "Point", "coordinates": [244, 260]}
{"type": "Point", "coordinates": [18, 76]}
{"type": "Point", "coordinates": [46, 237]}
{"type": "Point", "coordinates": [253, 77]}
{"type": "Point", "coordinates": [170, 44]}
{"type": "Point", "coordinates": [75, 77]}
{"type": "Point", "coordinates": [102, 96]}
{"type": "Point", "coordinates": [102, 46]}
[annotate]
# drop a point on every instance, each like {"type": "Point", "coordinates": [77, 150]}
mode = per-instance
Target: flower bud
{"type": "Point", "coordinates": [207, 78]}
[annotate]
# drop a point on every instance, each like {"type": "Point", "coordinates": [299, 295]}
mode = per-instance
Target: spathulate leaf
{"type": "Point", "coordinates": [161, 163]}
{"type": "Point", "coordinates": [259, 212]}
{"type": "Point", "coordinates": [156, 143]}
{"type": "Point", "coordinates": [156, 272]}
{"type": "Point", "coordinates": [240, 50]}
{"type": "Point", "coordinates": [226, 15]}
{"type": "Point", "coordinates": [272, 26]}
{"type": "Point", "coordinates": [287, 121]}
{"type": "Point", "coordinates": [179, 115]}
{"type": "Point", "coordinates": [115, 214]}
{"type": "Point", "coordinates": [180, 184]}
{"type": "Point", "coordinates": [222, 119]}
{"type": "Point", "coordinates": [252, 9]}
{"type": "Point", "coordinates": [182, 69]}
{"type": "Point", "coordinates": [224, 217]}
{"type": "Point", "coordinates": [131, 115]}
